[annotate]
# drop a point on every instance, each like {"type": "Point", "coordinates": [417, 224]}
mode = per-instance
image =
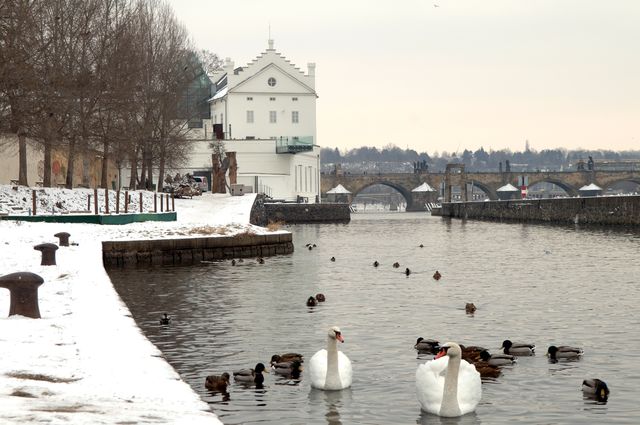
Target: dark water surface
{"type": "Point", "coordinates": [541, 284]}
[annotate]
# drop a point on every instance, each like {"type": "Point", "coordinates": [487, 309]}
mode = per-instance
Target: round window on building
{"type": "Point", "coordinates": [271, 81]}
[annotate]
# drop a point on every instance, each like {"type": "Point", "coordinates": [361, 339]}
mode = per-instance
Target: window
{"type": "Point", "coordinates": [272, 99]}
{"type": "Point", "coordinates": [249, 99]}
{"type": "Point", "coordinates": [250, 117]}
{"type": "Point", "coordinates": [273, 117]}
{"type": "Point", "coordinates": [294, 99]}
{"type": "Point", "coordinates": [295, 117]}
{"type": "Point", "coordinates": [271, 81]}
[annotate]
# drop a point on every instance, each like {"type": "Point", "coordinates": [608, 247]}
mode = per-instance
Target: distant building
{"type": "Point", "coordinates": [266, 113]}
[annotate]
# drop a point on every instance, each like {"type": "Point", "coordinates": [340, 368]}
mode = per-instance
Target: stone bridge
{"type": "Point", "coordinates": [488, 182]}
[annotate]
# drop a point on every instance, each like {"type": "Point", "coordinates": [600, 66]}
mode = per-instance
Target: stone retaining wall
{"type": "Point", "coordinates": [308, 213]}
{"type": "Point", "coordinates": [603, 210]}
{"type": "Point", "coordinates": [193, 250]}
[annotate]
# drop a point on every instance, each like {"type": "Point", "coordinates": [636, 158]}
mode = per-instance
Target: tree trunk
{"type": "Point", "coordinates": [71, 159]}
{"type": "Point", "coordinates": [46, 179]}
{"type": "Point", "coordinates": [133, 159]}
{"type": "Point", "coordinates": [105, 165]}
{"type": "Point", "coordinates": [233, 167]}
{"type": "Point", "coordinates": [22, 155]}
{"type": "Point", "coordinates": [161, 169]}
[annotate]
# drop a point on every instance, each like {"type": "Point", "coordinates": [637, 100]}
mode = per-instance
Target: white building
{"type": "Point", "coordinates": [266, 113]}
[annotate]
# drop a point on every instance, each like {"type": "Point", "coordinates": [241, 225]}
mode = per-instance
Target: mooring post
{"type": "Point", "coordinates": [64, 238]}
{"type": "Point", "coordinates": [155, 202]}
{"type": "Point", "coordinates": [140, 201]}
{"type": "Point", "coordinates": [33, 201]}
{"type": "Point", "coordinates": [95, 201]}
{"type": "Point", "coordinates": [48, 251]}
{"type": "Point", "coordinates": [23, 289]}
{"type": "Point", "coordinates": [106, 201]}
{"type": "Point", "coordinates": [126, 201]}
{"type": "Point", "coordinates": [166, 199]}
{"type": "Point", "coordinates": [118, 201]}
{"type": "Point", "coordinates": [161, 202]}
{"type": "Point", "coordinates": [88, 203]}
{"type": "Point", "coordinates": [173, 202]}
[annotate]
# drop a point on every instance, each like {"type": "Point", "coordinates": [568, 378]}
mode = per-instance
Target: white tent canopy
{"type": "Point", "coordinates": [424, 187]}
{"type": "Point", "coordinates": [508, 188]}
{"type": "Point", "coordinates": [338, 189]}
{"type": "Point", "coordinates": [592, 186]}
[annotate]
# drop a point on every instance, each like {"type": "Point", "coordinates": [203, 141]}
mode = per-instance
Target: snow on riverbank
{"type": "Point", "coordinates": [86, 361]}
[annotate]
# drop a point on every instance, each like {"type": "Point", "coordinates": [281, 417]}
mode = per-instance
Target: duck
{"type": "Point", "coordinates": [487, 370]}
{"type": "Point", "coordinates": [518, 348]}
{"type": "Point", "coordinates": [311, 302]}
{"type": "Point", "coordinates": [291, 369]}
{"type": "Point", "coordinates": [333, 258]}
{"type": "Point", "coordinates": [251, 376]}
{"type": "Point", "coordinates": [448, 386]}
{"type": "Point", "coordinates": [260, 260]}
{"type": "Point", "coordinates": [286, 358]}
{"type": "Point", "coordinates": [165, 320]}
{"type": "Point", "coordinates": [421, 246]}
{"type": "Point", "coordinates": [595, 389]}
{"type": "Point", "coordinates": [427, 345]}
{"type": "Point", "coordinates": [564, 352]}
{"type": "Point", "coordinates": [497, 359]}
{"type": "Point", "coordinates": [396, 265]}
{"type": "Point", "coordinates": [470, 308]}
{"type": "Point", "coordinates": [233, 262]}
{"type": "Point", "coordinates": [407, 271]}
{"type": "Point", "coordinates": [471, 353]}
{"type": "Point", "coordinates": [331, 369]}
{"type": "Point", "coordinates": [437, 275]}
{"type": "Point", "coordinates": [310, 247]}
{"type": "Point", "coordinates": [320, 298]}
{"type": "Point", "coordinates": [376, 264]}
{"type": "Point", "coordinates": [217, 382]}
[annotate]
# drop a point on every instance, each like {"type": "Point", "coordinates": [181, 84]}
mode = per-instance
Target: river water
{"type": "Point", "coordinates": [550, 285]}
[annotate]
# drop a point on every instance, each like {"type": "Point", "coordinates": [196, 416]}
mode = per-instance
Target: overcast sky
{"type": "Point", "coordinates": [449, 74]}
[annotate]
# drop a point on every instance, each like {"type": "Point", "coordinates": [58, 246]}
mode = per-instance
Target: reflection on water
{"type": "Point", "coordinates": [546, 284]}
{"type": "Point", "coordinates": [430, 419]}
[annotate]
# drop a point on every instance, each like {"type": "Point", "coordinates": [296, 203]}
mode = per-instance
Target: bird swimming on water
{"type": "Point", "coordinates": [251, 376]}
{"type": "Point", "coordinates": [311, 302]}
{"type": "Point", "coordinates": [437, 275]}
{"type": "Point", "coordinates": [217, 382]}
{"type": "Point", "coordinates": [320, 298]}
{"type": "Point", "coordinates": [165, 320]}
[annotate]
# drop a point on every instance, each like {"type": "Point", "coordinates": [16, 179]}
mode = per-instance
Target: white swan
{"type": "Point", "coordinates": [448, 386]}
{"type": "Point", "coordinates": [330, 369]}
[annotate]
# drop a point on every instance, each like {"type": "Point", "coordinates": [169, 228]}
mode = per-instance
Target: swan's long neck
{"type": "Point", "coordinates": [332, 380]}
{"type": "Point", "coordinates": [450, 405]}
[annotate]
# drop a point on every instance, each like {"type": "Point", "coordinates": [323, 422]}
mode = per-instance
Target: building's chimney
{"type": "Point", "coordinates": [228, 66]}
{"type": "Point", "coordinates": [270, 44]}
{"type": "Point", "coordinates": [311, 69]}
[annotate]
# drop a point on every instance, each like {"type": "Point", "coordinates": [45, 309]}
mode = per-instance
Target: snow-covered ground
{"type": "Point", "coordinates": [86, 361]}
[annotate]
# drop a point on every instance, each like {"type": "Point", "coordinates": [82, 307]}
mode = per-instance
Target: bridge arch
{"type": "Point", "coordinates": [406, 194]}
{"type": "Point", "coordinates": [488, 190]}
{"type": "Point", "coordinates": [635, 180]}
{"type": "Point", "coordinates": [569, 189]}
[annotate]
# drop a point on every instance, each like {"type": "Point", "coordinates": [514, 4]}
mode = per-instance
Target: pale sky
{"type": "Point", "coordinates": [464, 74]}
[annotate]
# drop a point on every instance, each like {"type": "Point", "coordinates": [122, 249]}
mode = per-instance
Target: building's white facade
{"type": "Point", "coordinates": [267, 104]}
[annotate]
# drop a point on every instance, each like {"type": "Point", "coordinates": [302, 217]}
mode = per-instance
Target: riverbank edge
{"type": "Point", "coordinates": [606, 210]}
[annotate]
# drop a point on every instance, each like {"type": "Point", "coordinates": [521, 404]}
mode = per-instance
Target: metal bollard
{"type": "Point", "coordinates": [64, 238]}
{"type": "Point", "coordinates": [48, 253]}
{"type": "Point", "coordinates": [23, 287]}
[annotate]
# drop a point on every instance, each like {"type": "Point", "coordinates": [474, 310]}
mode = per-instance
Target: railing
{"type": "Point", "coordinates": [294, 144]}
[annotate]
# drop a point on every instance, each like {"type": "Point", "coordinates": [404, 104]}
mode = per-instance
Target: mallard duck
{"type": "Point", "coordinates": [564, 352]}
{"type": "Point", "coordinates": [518, 348]}
{"type": "Point", "coordinates": [217, 382]}
{"type": "Point", "coordinates": [421, 246]}
{"type": "Point", "coordinates": [407, 271]}
{"type": "Point", "coordinates": [165, 320]}
{"type": "Point", "coordinates": [427, 345]}
{"type": "Point", "coordinates": [320, 298]}
{"type": "Point", "coordinates": [470, 308]}
{"type": "Point", "coordinates": [286, 358]}
{"type": "Point", "coordinates": [471, 353]}
{"type": "Point", "coordinates": [437, 275]}
{"type": "Point", "coordinates": [333, 258]}
{"type": "Point", "coordinates": [497, 359]}
{"type": "Point", "coordinates": [376, 264]}
{"type": "Point", "coordinates": [311, 302]}
{"type": "Point", "coordinates": [233, 262]}
{"type": "Point", "coordinates": [310, 248]}
{"type": "Point", "coordinates": [251, 376]}
{"type": "Point", "coordinates": [487, 370]}
{"type": "Point", "coordinates": [260, 260]}
{"type": "Point", "coordinates": [595, 389]}
{"type": "Point", "coordinates": [396, 265]}
{"type": "Point", "coordinates": [289, 369]}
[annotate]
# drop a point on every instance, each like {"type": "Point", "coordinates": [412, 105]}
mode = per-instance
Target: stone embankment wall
{"type": "Point", "coordinates": [308, 213]}
{"type": "Point", "coordinates": [604, 210]}
{"type": "Point", "coordinates": [194, 250]}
